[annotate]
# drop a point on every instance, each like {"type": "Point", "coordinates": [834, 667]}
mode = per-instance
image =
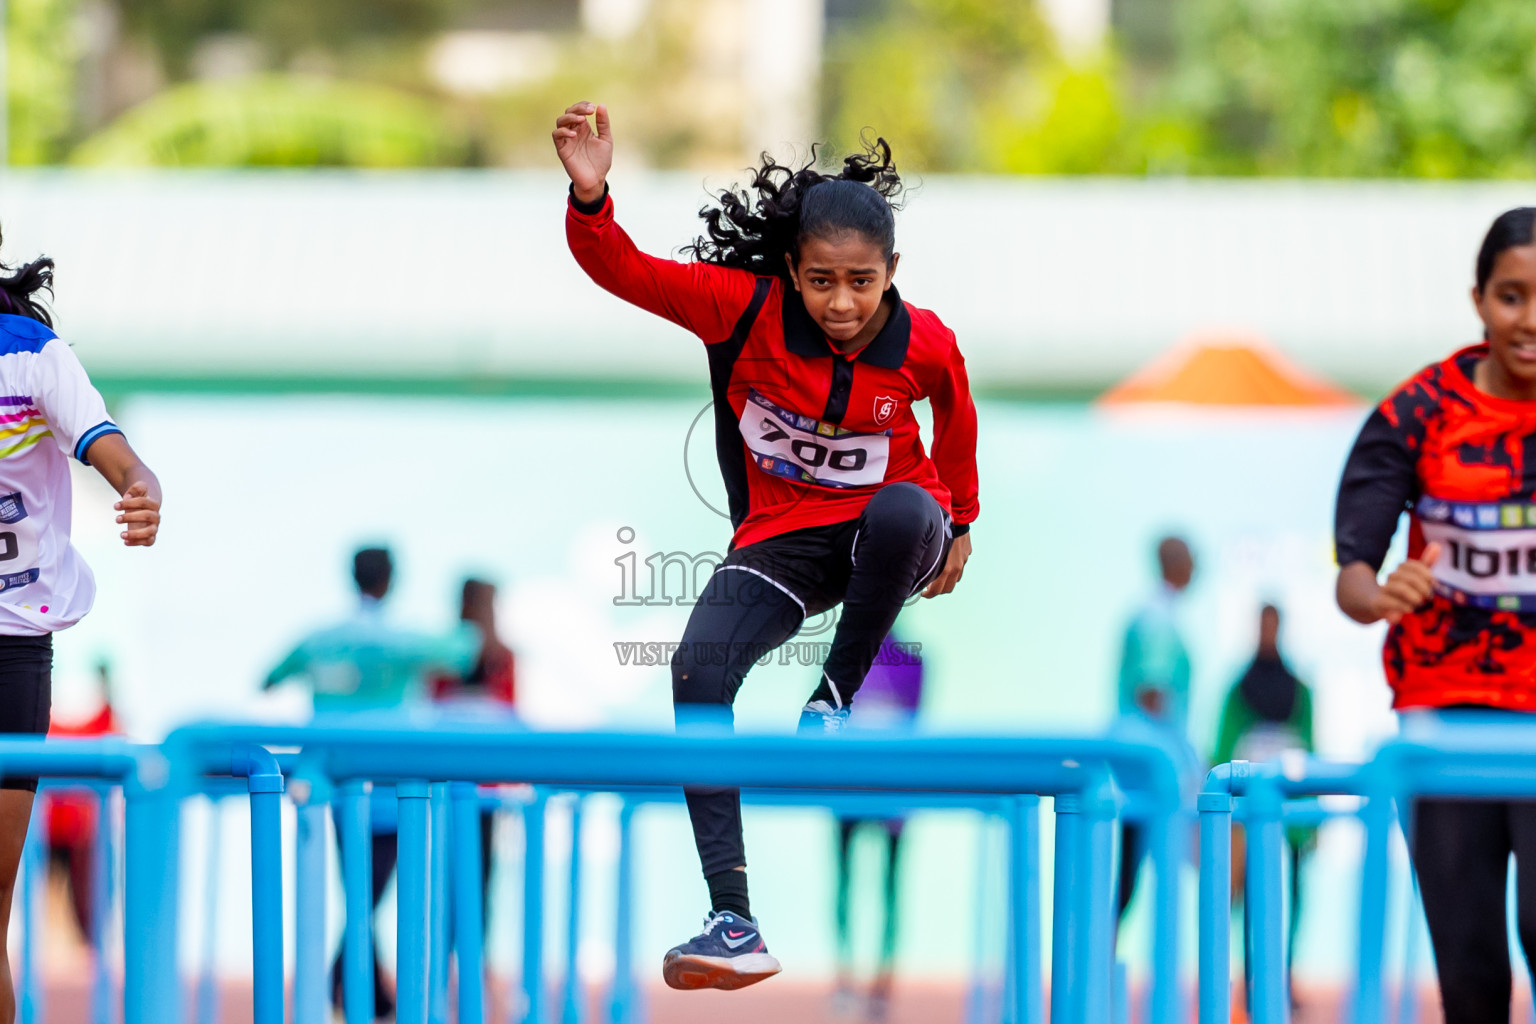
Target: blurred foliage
{"type": "Point", "coordinates": [674, 104]}
{"type": "Point", "coordinates": [1350, 88]}
{"type": "Point", "coordinates": [40, 78]}
{"type": "Point", "coordinates": [971, 85]}
{"type": "Point", "coordinates": [284, 28]}
{"type": "Point", "coordinates": [279, 121]}
{"type": "Point", "coordinates": [1420, 88]}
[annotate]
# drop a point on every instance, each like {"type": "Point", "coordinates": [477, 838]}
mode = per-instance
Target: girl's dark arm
{"type": "Point", "coordinates": [139, 509]}
{"type": "Point", "coordinates": [954, 438]}
{"type": "Point", "coordinates": [954, 456]}
{"type": "Point", "coordinates": [1380, 481]}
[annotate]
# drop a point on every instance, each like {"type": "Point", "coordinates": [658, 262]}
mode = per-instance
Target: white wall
{"type": "Point", "coordinates": [1047, 282]}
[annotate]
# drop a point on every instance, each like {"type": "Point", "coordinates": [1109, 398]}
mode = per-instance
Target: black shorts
{"type": "Point", "coordinates": [815, 563]}
{"type": "Point", "coordinates": [26, 693]}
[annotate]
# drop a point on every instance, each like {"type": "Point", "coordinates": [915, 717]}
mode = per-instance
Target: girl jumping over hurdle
{"type": "Point", "coordinates": [49, 412]}
{"type": "Point", "coordinates": [815, 362]}
{"type": "Point", "coordinates": [1455, 447]}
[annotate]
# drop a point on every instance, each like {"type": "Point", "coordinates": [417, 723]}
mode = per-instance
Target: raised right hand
{"type": "Point", "coordinates": [1409, 586]}
{"type": "Point", "coordinates": [587, 156]}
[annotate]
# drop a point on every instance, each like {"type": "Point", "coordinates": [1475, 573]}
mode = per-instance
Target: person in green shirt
{"type": "Point", "coordinates": [1154, 679]}
{"type": "Point", "coordinates": [365, 663]}
{"type": "Point", "coordinates": [368, 663]}
{"type": "Point", "coordinates": [1268, 713]}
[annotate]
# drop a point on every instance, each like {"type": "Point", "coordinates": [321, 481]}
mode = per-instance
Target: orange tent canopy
{"type": "Point", "coordinates": [1225, 370]}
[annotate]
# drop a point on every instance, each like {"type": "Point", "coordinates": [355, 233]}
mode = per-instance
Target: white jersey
{"type": "Point", "coordinates": [48, 412]}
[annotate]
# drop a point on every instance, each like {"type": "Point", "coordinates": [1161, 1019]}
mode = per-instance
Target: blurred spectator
{"type": "Point", "coordinates": [366, 664]}
{"type": "Point", "coordinates": [1154, 679]}
{"type": "Point", "coordinates": [490, 685]}
{"type": "Point", "coordinates": [889, 699]}
{"type": "Point", "coordinates": [1268, 713]}
{"type": "Point", "coordinates": [73, 818]}
{"type": "Point", "coordinates": [491, 680]}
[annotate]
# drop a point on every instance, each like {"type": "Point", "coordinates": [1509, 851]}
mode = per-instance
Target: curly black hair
{"type": "Point", "coordinates": [20, 285]}
{"type": "Point", "coordinates": [755, 227]}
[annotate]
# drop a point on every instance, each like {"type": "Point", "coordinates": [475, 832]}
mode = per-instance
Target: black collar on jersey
{"type": "Point", "coordinates": [804, 337]}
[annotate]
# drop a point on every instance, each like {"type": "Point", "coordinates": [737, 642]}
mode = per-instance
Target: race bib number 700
{"type": "Point", "coordinates": [808, 451]}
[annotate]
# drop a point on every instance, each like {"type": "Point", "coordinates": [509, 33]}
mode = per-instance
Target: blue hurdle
{"type": "Point", "coordinates": [1021, 814]}
{"type": "Point", "coordinates": [1079, 772]}
{"type": "Point", "coordinates": [1475, 757]}
{"type": "Point", "coordinates": [438, 839]}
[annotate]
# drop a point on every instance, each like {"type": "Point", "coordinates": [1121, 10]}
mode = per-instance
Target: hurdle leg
{"type": "Point", "coordinates": [571, 1010]}
{"type": "Point", "coordinates": [411, 883]}
{"type": "Point", "coordinates": [1168, 839]}
{"type": "Point", "coordinates": [34, 868]}
{"type": "Point", "coordinates": [354, 823]}
{"type": "Point", "coordinates": [977, 998]}
{"type": "Point", "coordinates": [1101, 806]}
{"type": "Point", "coordinates": [437, 903]}
{"type": "Point", "coordinates": [1215, 972]}
{"type": "Point", "coordinates": [468, 927]}
{"type": "Point", "coordinates": [151, 993]}
{"type": "Point", "coordinates": [266, 789]}
{"type": "Point", "coordinates": [208, 979]}
{"type": "Point", "coordinates": [101, 907]}
{"type": "Point", "coordinates": [533, 909]}
{"type": "Point", "coordinates": [1376, 815]}
{"type": "Point", "coordinates": [1069, 932]}
{"type": "Point", "coordinates": [1413, 926]}
{"type": "Point", "coordinates": [622, 1009]}
{"type": "Point", "coordinates": [310, 999]}
{"type": "Point", "coordinates": [1024, 894]}
{"type": "Point", "coordinates": [1264, 903]}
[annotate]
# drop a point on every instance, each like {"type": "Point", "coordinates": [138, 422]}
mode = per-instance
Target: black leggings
{"type": "Point", "coordinates": [892, 832]}
{"type": "Point", "coordinates": [758, 599]}
{"type": "Point", "coordinates": [26, 693]}
{"type": "Point", "coordinates": [1461, 852]}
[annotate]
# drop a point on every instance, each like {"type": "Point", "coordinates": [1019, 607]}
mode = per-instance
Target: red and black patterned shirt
{"type": "Point", "coordinates": [1462, 464]}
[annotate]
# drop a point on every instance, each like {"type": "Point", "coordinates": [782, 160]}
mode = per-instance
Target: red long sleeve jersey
{"type": "Point", "coordinates": [805, 435]}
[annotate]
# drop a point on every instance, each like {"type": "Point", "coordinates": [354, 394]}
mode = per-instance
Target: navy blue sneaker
{"type": "Point", "coordinates": [728, 953]}
{"type": "Point", "coordinates": [819, 716]}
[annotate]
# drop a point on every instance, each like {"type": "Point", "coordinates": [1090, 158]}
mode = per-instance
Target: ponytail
{"type": "Point", "coordinates": [755, 228]}
{"type": "Point", "coordinates": [20, 286]}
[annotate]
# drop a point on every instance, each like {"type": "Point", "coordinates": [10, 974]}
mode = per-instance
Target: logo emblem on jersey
{"type": "Point", "coordinates": [12, 508]}
{"type": "Point", "coordinates": [10, 581]}
{"type": "Point", "coordinates": [885, 408]}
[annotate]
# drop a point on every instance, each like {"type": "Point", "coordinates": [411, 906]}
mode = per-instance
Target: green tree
{"type": "Point", "coordinates": [1417, 88]}
{"type": "Point", "coordinates": [973, 85]}
{"type": "Point", "coordinates": [283, 27]}
{"type": "Point", "coordinates": [279, 121]}
{"type": "Point", "coordinates": [41, 56]}
{"type": "Point", "coordinates": [673, 110]}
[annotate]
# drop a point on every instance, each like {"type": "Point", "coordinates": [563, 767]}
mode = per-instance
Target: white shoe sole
{"type": "Point", "coordinates": [695, 972]}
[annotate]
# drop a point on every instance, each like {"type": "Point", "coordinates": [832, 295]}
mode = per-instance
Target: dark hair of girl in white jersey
{"type": "Point", "coordinates": [19, 287]}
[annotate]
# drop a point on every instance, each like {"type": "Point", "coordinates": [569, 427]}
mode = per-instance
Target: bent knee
{"type": "Point", "coordinates": [902, 498]}
{"type": "Point", "coordinates": [904, 511]}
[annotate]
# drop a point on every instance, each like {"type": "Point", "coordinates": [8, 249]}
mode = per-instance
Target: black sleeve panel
{"type": "Point", "coordinates": [1380, 482]}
